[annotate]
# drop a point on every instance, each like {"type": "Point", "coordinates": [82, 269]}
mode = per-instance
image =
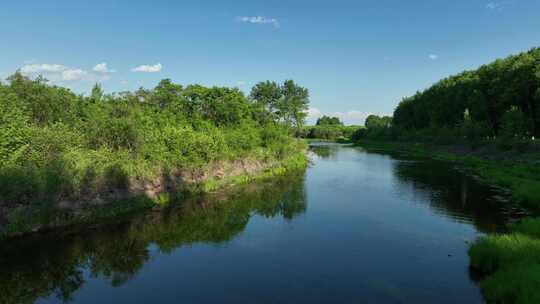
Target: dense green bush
{"type": "Point", "coordinates": [55, 144]}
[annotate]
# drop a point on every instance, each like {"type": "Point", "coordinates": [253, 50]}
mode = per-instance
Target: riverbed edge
{"type": "Point", "coordinates": [513, 172]}
{"type": "Point", "coordinates": [26, 220]}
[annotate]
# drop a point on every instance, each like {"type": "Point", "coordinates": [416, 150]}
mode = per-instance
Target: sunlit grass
{"type": "Point", "coordinates": [511, 263]}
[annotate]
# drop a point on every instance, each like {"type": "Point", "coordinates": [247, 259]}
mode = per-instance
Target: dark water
{"type": "Point", "coordinates": [354, 228]}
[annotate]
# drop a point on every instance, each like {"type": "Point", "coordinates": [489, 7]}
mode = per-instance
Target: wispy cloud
{"type": "Point", "coordinates": [313, 113]}
{"type": "Point", "coordinates": [259, 20]}
{"type": "Point", "coordinates": [433, 56]}
{"type": "Point", "coordinates": [148, 68]}
{"type": "Point", "coordinates": [58, 72]}
{"type": "Point", "coordinates": [352, 117]}
{"type": "Point", "coordinates": [494, 5]}
{"type": "Point", "coordinates": [102, 68]}
{"type": "Point", "coordinates": [500, 5]}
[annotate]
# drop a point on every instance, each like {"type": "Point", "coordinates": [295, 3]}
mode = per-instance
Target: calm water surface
{"type": "Point", "coordinates": [354, 228]}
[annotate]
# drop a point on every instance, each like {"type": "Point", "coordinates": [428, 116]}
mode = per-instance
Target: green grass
{"type": "Point", "coordinates": [511, 262]}
{"type": "Point", "coordinates": [518, 285]}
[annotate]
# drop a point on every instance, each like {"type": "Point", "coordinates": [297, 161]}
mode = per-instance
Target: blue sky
{"type": "Point", "coordinates": [356, 57]}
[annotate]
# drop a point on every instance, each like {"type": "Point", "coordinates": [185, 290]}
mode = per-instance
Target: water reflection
{"type": "Point", "coordinates": [455, 194]}
{"type": "Point", "coordinates": [58, 264]}
{"type": "Point", "coordinates": [324, 150]}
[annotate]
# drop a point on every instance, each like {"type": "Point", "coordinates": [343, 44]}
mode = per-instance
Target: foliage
{"type": "Point", "coordinates": [374, 127]}
{"type": "Point", "coordinates": [327, 131]}
{"type": "Point", "coordinates": [57, 145]}
{"type": "Point", "coordinates": [502, 96]}
{"type": "Point", "coordinates": [285, 103]}
{"type": "Point", "coordinates": [328, 121]}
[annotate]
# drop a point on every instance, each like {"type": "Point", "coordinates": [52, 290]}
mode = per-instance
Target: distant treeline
{"type": "Point", "coordinates": [330, 128]}
{"type": "Point", "coordinates": [500, 99]}
{"type": "Point", "coordinates": [55, 144]}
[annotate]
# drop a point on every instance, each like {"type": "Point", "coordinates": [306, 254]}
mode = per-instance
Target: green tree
{"type": "Point", "coordinates": [266, 96]}
{"type": "Point", "coordinates": [287, 103]}
{"type": "Point", "coordinates": [293, 106]}
{"type": "Point", "coordinates": [327, 120]}
{"type": "Point", "coordinates": [97, 93]}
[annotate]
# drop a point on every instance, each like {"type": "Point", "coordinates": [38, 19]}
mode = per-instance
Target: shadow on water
{"type": "Point", "coordinates": [324, 150]}
{"type": "Point", "coordinates": [57, 265]}
{"type": "Point", "coordinates": [456, 195]}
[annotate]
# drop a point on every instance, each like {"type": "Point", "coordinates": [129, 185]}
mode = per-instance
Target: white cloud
{"type": "Point", "coordinates": [58, 72]}
{"type": "Point", "coordinates": [42, 68]}
{"type": "Point", "coordinates": [433, 56]}
{"type": "Point", "coordinates": [74, 74]}
{"type": "Point", "coordinates": [103, 68]}
{"type": "Point", "coordinates": [494, 6]}
{"type": "Point", "coordinates": [313, 114]}
{"type": "Point", "coordinates": [61, 73]}
{"type": "Point", "coordinates": [241, 83]}
{"type": "Point", "coordinates": [259, 20]}
{"type": "Point", "coordinates": [148, 68]}
{"type": "Point", "coordinates": [352, 117]}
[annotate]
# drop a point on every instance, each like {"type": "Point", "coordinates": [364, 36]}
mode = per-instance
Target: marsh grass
{"type": "Point", "coordinates": [511, 262]}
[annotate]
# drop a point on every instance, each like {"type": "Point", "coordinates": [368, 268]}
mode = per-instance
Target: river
{"type": "Point", "coordinates": [355, 227]}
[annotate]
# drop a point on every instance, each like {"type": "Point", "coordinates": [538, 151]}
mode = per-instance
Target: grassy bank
{"type": "Point", "coordinates": [28, 219]}
{"type": "Point", "coordinates": [510, 262]}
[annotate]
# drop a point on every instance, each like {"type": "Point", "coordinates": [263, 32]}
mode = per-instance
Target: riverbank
{"type": "Point", "coordinates": [137, 195]}
{"type": "Point", "coordinates": [510, 262]}
{"type": "Point", "coordinates": [517, 172]}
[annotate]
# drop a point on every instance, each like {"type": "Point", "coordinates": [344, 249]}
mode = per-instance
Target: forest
{"type": "Point", "coordinates": [498, 100]}
{"type": "Point", "coordinates": [56, 145]}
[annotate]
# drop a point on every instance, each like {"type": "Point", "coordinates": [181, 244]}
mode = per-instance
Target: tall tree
{"type": "Point", "coordinates": [287, 103]}
{"type": "Point", "coordinates": [293, 106]}
{"type": "Point", "coordinates": [97, 93]}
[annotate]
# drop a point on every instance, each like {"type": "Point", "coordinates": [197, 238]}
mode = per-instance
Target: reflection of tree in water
{"type": "Point", "coordinates": [453, 194]}
{"type": "Point", "coordinates": [118, 252]}
{"type": "Point", "coordinates": [324, 150]}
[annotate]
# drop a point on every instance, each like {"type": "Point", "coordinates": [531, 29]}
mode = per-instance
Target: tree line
{"type": "Point", "coordinates": [327, 127]}
{"type": "Point", "coordinates": [498, 100]}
